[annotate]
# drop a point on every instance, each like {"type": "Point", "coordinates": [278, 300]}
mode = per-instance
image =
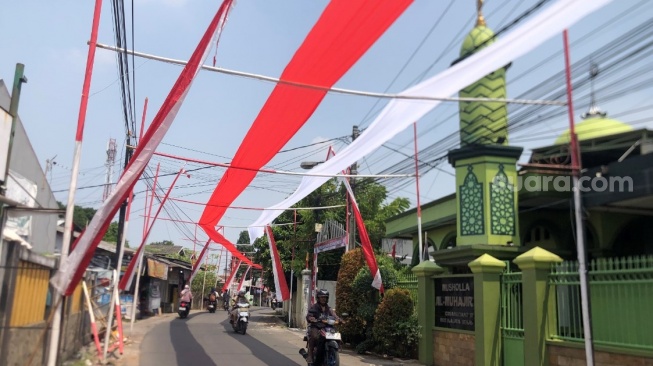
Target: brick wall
{"type": "Point", "coordinates": [453, 349]}
{"type": "Point", "coordinates": [573, 356]}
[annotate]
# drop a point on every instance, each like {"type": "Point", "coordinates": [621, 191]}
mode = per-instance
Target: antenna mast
{"type": "Point", "coordinates": [111, 160]}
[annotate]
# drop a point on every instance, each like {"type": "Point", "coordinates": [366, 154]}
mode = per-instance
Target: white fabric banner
{"type": "Point", "coordinates": [401, 113]}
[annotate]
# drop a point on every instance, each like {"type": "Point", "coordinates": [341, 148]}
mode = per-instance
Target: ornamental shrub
{"type": "Point", "coordinates": [396, 330]}
{"type": "Point", "coordinates": [353, 329]}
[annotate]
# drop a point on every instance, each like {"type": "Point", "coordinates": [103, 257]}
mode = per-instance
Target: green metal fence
{"type": "Point", "coordinates": [621, 294]}
{"type": "Point", "coordinates": [409, 282]}
{"type": "Point", "coordinates": [512, 318]}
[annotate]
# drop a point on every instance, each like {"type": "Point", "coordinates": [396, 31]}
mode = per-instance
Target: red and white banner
{"type": "Point", "coordinates": [366, 245]}
{"type": "Point", "coordinates": [72, 268]}
{"type": "Point", "coordinates": [280, 285]}
{"type": "Point", "coordinates": [198, 262]}
{"type": "Point", "coordinates": [220, 239]}
{"type": "Point", "coordinates": [242, 279]}
{"type": "Point", "coordinates": [401, 113]}
{"type": "Point", "coordinates": [232, 275]}
{"type": "Point", "coordinates": [343, 33]}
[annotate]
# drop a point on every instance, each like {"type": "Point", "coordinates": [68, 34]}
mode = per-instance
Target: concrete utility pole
{"type": "Point", "coordinates": [122, 213]}
{"type": "Point", "coordinates": [353, 170]}
{"type": "Point", "coordinates": [19, 79]}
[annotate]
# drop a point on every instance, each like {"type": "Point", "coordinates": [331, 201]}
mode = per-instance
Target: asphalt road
{"type": "Point", "coordinates": [208, 339]}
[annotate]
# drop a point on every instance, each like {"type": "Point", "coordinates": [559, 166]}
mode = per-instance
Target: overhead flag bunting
{"type": "Point", "coordinates": [72, 268]}
{"type": "Point", "coordinates": [401, 113]}
{"type": "Point", "coordinates": [280, 284]}
{"type": "Point", "coordinates": [343, 33]}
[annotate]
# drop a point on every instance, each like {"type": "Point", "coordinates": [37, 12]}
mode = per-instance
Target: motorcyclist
{"type": "Point", "coordinates": [186, 295]}
{"type": "Point", "coordinates": [212, 296]}
{"type": "Point", "coordinates": [225, 299]}
{"type": "Point", "coordinates": [319, 309]}
{"type": "Point", "coordinates": [240, 298]}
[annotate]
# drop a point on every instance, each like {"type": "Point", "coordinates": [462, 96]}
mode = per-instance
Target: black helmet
{"type": "Point", "coordinates": [241, 293]}
{"type": "Point", "coordinates": [322, 293]}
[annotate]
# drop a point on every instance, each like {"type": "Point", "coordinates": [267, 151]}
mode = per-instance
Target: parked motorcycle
{"type": "Point", "coordinates": [184, 309]}
{"type": "Point", "coordinates": [327, 351]}
{"type": "Point", "coordinates": [242, 312]}
{"type": "Point", "coordinates": [274, 304]}
{"type": "Point", "coordinates": [212, 306]}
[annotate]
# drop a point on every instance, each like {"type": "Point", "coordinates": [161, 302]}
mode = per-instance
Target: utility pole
{"type": "Point", "coordinates": [111, 159]}
{"type": "Point", "coordinates": [353, 170]}
{"type": "Point", "coordinates": [19, 79]}
{"type": "Point", "coordinates": [122, 213]}
{"type": "Point", "coordinates": [586, 312]}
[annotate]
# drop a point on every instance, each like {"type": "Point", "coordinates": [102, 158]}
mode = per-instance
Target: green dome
{"type": "Point", "coordinates": [594, 127]}
{"type": "Point", "coordinates": [475, 38]}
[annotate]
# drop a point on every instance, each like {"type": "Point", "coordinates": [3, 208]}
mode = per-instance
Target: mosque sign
{"type": "Point", "coordinates": [454, 302]}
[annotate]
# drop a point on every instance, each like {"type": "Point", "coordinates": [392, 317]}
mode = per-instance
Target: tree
{"type": "Point", "coordinates": [111, 235]}
{"type": "Point", "coordinates": [371, 197]}
{"type": "Point", "coordinates": [198, 283]}
{"type": "Point", "coordinates": [81, 215]}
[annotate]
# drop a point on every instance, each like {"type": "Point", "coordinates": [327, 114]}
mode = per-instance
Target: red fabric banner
{"type": "Point", "coordinates": [366, 244]}
{"type": "Point", "coordinates": [218, 238]}
{"type": "Point", "coordinates": [345, 31]}
{"type": "Point", "coordinates": [280, 284]}
{"type": "Point", "coordinates": [368, 252]}
{"type": "Point", "coordinates": [228, 282]}
{"type": "Point", "coordinates": [242, 279]}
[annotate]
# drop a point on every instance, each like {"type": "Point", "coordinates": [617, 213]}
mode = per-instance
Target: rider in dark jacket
{"type": "Point", "coordinates": [315, 312]}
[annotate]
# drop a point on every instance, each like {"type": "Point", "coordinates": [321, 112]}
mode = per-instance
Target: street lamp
{"type": "Point", "coordinates": [310, 164]}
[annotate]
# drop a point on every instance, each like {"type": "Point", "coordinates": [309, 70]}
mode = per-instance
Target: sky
{"type": "Point", "coordinates": [260, 37]}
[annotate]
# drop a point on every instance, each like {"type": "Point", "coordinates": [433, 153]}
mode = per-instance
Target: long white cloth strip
{"type": "Point", "coordinates": [401, 113]}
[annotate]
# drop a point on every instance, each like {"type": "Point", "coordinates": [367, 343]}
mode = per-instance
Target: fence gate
{"type": "Point", "coordinates": [331, 236]}
{"type": "Point", "coordinates": [512, 321]}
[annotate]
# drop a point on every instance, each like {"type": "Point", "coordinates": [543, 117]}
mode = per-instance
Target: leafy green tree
{"type": "Point", "coordinates": [81, 215]}
{"type": "Point", "coordinates": [299, 239]}
{"type": "Point", "coordinates": [111, 235]}
{"type": "Point", "coordinates": [199, 282]}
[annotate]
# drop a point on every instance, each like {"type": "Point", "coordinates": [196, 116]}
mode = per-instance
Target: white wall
{"type": "Point", "coordinates": [331, 287]}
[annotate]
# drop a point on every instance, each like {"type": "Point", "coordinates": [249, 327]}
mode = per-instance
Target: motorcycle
{"type": "Point", "coordinates": [327, 351]}
{"type": "Point", "coordinates": [225, 305]}
{"type": "Point", "coordinates": [240, 324]}
{"type": "Point", "coordinates": [212, 305]}
{"type": "Point", "coordinates": [273, 304]}
{"type": "Point", "coordinates": [184, 309]}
